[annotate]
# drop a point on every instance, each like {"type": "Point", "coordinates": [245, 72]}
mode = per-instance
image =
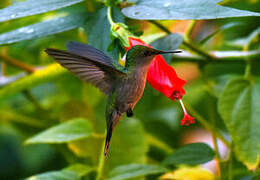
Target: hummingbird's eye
{"type": "Point", "coordinates": [146, 53]}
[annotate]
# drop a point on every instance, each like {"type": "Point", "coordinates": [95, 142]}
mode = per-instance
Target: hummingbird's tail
{"type": "Point", "coordinates": [108, 138]}
{"type": "Point", "coordinates": [112, 121]}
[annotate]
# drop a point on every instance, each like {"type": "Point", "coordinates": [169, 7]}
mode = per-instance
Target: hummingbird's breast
{"type": "Point", "coordinates": [130, 89]}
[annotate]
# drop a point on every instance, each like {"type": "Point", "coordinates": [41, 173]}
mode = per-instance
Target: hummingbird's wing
{"type": "Point", "coordinates": [89, 51]}
{"type": "Point", "coordinates": [92, 68]}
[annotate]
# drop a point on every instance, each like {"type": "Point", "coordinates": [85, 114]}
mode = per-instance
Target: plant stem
{"type": "Point", "coordinates": [101, 162]}
{"type": "Point", "coordinates": [230, 162]}
{"type": "Point", "coordinates": [32, 99]}
{"type": "Point", "coordinates": [248, 65]}
{"type": "Point", "coordinates": [189, 29]}
{"type": "Point", "coordinates": [198, 50]}
{"type": "Point", "coordinates": [218, 158]}
{"type": "Point", "coordinates": [160, 26]}
{"type": "Point", "coordinates": [248, 70]}
{"type": "Point", "coordinates": [214, 124]}
{"type": "Point", "coordinates": [221, 57]}
{"type": "Point", "coordinates": [185, 42]}
{"type": "Point", "coordinates": [14, 62]}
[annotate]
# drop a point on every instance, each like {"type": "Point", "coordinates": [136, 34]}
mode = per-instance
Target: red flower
{"type": "Point", "coordinates": [164, 79]}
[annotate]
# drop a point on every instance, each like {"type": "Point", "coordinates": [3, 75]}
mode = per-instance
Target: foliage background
{"type": "Point", "coordinates": [52, 124]}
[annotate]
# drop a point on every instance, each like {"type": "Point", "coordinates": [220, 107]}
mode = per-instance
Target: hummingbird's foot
{"type": "Point", "coordinates": [129, 112]}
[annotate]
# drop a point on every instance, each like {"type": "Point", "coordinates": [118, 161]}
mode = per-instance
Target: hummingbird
{"type": "Point", "coordinates": [124, 86]}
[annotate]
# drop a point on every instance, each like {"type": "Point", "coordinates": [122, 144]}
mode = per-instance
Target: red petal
{"type": "Point", "coordinates": [187, 120]}
{"type": "Point", "coordinates": [164, 79]}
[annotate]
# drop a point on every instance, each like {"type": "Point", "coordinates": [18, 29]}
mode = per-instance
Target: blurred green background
{"type": "Point", "coordinates": [37, 95]}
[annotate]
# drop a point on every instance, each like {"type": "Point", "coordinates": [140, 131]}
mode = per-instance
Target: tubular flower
{"type": "Point", "coordinates": [164, 79]}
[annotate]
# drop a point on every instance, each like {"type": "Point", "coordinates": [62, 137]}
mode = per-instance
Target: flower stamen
{"type": "Point", "coordinates": [187, 119]}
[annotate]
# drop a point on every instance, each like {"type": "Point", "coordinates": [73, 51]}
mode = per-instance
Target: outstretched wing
{"type": "Point", "coordinates": [89, 52]}
{"type": "Point", "coordinates": [91, 69]}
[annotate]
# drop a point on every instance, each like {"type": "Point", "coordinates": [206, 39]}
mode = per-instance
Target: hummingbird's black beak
{"type": "Point", "coordinates": [166, 52]}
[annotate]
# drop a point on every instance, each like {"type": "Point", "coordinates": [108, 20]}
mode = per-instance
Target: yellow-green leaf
{"type": "Point", "coordinates": [68, 131]}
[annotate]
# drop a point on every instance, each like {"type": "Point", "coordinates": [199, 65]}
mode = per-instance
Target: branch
{"type": "Point", "coordinates": [9, 60]}
{"type": "Point", "coordinates": [185, 42]}
{"type": "Point", "coordinates": [221, 57]}
{"type": "Point", "coordinates": [40, 76]}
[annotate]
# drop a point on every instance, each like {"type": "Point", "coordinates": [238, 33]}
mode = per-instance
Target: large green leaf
{"type": "Point", "coordinates": [185, 9]}
{"type": "Point", "coordinates": [98, 30]}
{"type": "Point", "coordinates": [135, 170]}
{"type": "Point", "coordinates": [42, 29]}
{"type": "Point", "coordinates": [169, 42]}
{"type": "Point", "coordinates": [31, 7]}
{"type": "Point", "coordinates": [68, 131]}
{"type": "Point", "coordinates": [239, 106]}
{"type": "Point", "coordinates": [195, 153]}
{"type": "Point", "coordinates": [55, 175]}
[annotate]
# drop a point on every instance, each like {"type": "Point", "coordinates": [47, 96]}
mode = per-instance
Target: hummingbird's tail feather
{"type": "Point", "coordinates": [112, 121]}
{"type": "Point", "coordinates": [108, 138]}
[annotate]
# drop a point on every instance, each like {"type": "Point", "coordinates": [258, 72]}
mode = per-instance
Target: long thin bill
{"type": "Point", "coordinates": [166, 52]}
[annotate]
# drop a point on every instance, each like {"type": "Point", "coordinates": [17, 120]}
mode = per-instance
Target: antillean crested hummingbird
{"type": "Point", "coordinates": [123, 87]}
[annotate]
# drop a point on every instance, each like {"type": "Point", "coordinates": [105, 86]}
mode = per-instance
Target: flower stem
{"type": "Point", "coordinates": [109, 16]}
{"type": "Point", "coordinates": [101, 163]}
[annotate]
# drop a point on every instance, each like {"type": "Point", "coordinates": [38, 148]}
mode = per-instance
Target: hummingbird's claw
{"type": "Point", "coordinates": [129, 112]}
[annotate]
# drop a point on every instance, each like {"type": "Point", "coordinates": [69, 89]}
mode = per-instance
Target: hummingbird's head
{"type": "Point", "coordinates": [142, 55]}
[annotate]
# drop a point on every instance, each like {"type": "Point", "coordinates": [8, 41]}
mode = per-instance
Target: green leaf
{"type": "Point", "coordinates": [79, 169]}
{"type": "Point", "coordinates": [98, 30]}
{"type": "Point", "coordinates": [169, 42]}
{"type": "Point", "coordinates": [180, 10]}
{"type": "Point", "coordinates": [74, 172]}
{"type": "Point", "coordinates": [68, 131]}
{"type": "Point", "coordinates": [239, 106]}
{"type": "Point", "coordinates": [242, 42]}
{"type": "Point", "coordinates": [42, 29]}
{"type": "Point", "coordinates": [195, 153]}
{"type": "Point", "coordinates": [55, 175]}
{"type": "Point", "coordinates": [45, 75]}
{"type": "Point", "coordinates": [135, 170]}
{"type": "Point", "coordinates": [31, 7]}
